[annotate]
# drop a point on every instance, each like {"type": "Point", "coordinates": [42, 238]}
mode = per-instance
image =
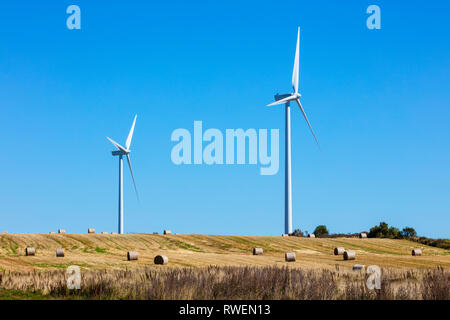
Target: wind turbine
{"type": "Point", "coordinates": [286, 99]}
{"type": "Point", "coordinates": [120, 152]}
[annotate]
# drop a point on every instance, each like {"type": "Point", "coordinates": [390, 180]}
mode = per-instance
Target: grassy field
{"type": "Point", "coordinates": [230, 283]}
{"type": "Point", "coordinates": [100, 252]}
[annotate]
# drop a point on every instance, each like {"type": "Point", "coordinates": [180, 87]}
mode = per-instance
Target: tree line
{"type": "Point", "coordinates": [382, 230]}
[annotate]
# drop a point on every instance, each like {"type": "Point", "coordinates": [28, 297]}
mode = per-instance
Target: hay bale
{"type": "Point", "coordinates": [312, 235]}
{"type": "Point", "coordinates": [60, 253]}
{"type": "Point", "coordinates": [52, 232]}
{"type": "Point", "coordinates": [363, 235]}
{"type": "Point", "coordinates": [91, 230]}
{"type": "Point", "coordinates": [167, 232]}
{"type": "Point", "coordinates": [104, 232]}
{"type": "Point", "coordinates": [285, 235]}
{"type": "Point", "coordinates": [339, 251]}
{"type": "Point", "coordinates": [349, 255]}
{"type": "Point", "coordinates": [257, 251]}
{"type": "Point", "coordinates": [289, 256]}
{"type": "Point", "coordinates": [132, 255]}
{"type": "Point", "coordinates": [416, 252]}
{"type": "Point", "coordinates": [161, 259]}
{"type": "Point", "coordinates": [61, 230]}
{"type": "Point", "coordinates": [358, 267]}
{"type": "Point", "coordinates": [30, 251]}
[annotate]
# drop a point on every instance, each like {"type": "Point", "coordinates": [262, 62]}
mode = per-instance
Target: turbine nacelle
{"type": "Point", "coordinates": [285, 98]}
{"type": "Point", "coordinates": [120, 153]}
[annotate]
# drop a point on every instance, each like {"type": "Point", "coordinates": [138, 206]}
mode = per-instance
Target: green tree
{"type": "Point", "coordinates": [394, 233]}
{"type": "Point", "coordinates": [408, 232]}
{"type": "Point", "coordinates": [380, 231]}
{"type": "Point", "coordinates": [384, 231]}
{"type": "Point", "coordinates": [320, 231]}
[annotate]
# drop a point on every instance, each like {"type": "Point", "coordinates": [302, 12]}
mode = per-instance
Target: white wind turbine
{"type": "Point", "coordinates": [121, 151]}
{"type": "Point", "coordinates": [286, 99]}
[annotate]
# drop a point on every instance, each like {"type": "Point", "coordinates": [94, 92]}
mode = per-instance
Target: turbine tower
{"type": "Point", "coordinates": [286, 99]}
{"type": "Point", "coordinates": [120, 152]}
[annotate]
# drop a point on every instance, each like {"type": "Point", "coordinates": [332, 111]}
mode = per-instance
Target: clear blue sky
{"type": "Point", "coordinates": [377, 99]}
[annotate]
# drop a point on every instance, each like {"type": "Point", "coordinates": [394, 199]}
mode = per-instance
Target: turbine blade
{"type": "Point", "coordinates": [132, 176]}
{"type": "Point", "coordinates": [290, 98]}
{"type": "Point", "coordinates": [296, 64]}
{"type": "Point", "coordinates": [307, 121]}
{"type": "Point", "coordinates": [118, 146]}
{"type": "Point", "coordinates": [130, 135]}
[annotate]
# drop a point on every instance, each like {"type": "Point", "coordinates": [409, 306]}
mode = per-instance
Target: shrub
{"type": "Point", "coordinates": [297, 233]}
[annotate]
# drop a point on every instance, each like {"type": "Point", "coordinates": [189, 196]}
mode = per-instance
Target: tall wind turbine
{"type": "Point", "coordinates": [286, 99]}
{"type": "Point", "coordinates": [120, 152]}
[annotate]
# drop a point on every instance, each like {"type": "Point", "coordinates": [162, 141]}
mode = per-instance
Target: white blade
{"type": "Point", "coordinates": [306, 118]}
{"type": "Point", "coordinates": [118, 146]}
{"type": "Point", "coordinates": [290, 98]}
{"type": "Point", "coordinates": [130, 135]}
{"type": "Point", "coordinates": [296, 64]}
{"type": "Point", "coordinates": [132, 176]}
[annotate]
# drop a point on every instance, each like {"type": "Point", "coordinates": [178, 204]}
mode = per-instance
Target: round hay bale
{"type": "Point", "coordinates": [167, 232]}
{"type": "Point", "coordinates": [91, 230]}
{"type": "Point", "coordinates": [104, 232]}
{"type": "Point", "coordinates": [285, 235]}
{"type": "Point", "coordinates": [358, 267]}
{"type": "Point", "coordinates": [312, 235]}
{"type": "Point", "coordinates": [339, 251]}
{"type": "Point", "coordinates": [363, 235]}
{"type": "Point", "coordinates": [416, 252]}
{"type": "Point", "coordinates": [132, 255]}
{"type": "Point", "coordinates": [52, 232]}
{"type": "Point", "coordinates": [30, 251]}
{"type": "Point", "coordinates": [349, 255]}
{"type": "Point", "coordinates": [161, 259]}
{"type": "Point", "coordinates": [289, 256]}
{"type": "Point", "coordinates": [60, 253]}
{"type": "Point", "coordinates": [257, 251]}
{"type": "Point", "coordinates": [61, 230]}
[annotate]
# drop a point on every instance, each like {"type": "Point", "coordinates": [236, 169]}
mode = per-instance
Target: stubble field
{"type": "Point", "coordinates": [217, 267]}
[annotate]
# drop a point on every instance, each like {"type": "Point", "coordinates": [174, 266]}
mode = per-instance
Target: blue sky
{"type": "Point", "coordinates": [377, 99]}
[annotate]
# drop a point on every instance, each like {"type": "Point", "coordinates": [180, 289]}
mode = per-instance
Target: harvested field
{"type": "Point", "coordinates": [95, 251]}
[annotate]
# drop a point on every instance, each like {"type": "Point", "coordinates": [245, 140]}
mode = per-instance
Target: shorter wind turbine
{"type": "Point", "coordinates": [120, 152]}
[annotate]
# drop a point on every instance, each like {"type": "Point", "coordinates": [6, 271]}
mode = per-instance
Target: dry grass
{"type": "Point", "coordinates": [98, 252]}
{"type": "Point", "coordinates": [231, 283]}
